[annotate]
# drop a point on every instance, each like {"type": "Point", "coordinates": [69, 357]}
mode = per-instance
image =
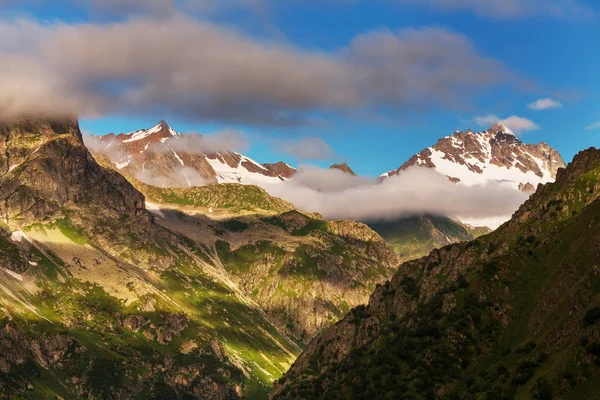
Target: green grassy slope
{"type": "Point", "coordinates": [183, 328]}
{"type": "Point", "coordinates": [232, 196]}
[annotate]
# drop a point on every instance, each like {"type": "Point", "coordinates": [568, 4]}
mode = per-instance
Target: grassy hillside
{"type": "Point", "coordinates": [234, 197]}
{"type": "Point", "coordinates": [303, 271]}
{"type": "Point", "coordinates": [109, 325]}
{"type": "Point", "coordinates": [514, 314]}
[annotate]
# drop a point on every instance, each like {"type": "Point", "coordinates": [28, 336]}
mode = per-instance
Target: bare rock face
{"type": "Point", "coordinates": [344, 168]}
{"type": "Point", "coordinates": [492, 155]}
{"type": "Point", "coordinates": [46, 167]}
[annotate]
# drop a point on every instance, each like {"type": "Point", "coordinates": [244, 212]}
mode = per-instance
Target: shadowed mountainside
{"type": "Point", "coordinates": [514, 314]}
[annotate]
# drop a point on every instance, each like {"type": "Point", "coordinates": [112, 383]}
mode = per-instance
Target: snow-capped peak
{"type": "Point", "coordinates": [162, 129]}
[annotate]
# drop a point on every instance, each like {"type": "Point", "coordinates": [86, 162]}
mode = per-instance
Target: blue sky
{"type": "Point", "coordinates": [538, 51]}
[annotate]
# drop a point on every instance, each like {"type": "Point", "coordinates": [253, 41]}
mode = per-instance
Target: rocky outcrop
{"type": "Point", "coordinates": [47, 167]}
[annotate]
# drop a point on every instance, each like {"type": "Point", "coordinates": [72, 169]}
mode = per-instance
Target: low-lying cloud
{"type": "Point", "coordinates": [203, 71]}
{"type": "Point", "coordinates": [229, 139]}
{"type": "Point", "coordinates": [181, 177]}
{"type": "Point", "coordinates": [414, 191]}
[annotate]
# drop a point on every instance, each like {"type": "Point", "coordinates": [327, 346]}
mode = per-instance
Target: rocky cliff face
{"type": "Point", "coordinates": [163, 157]}
{"type": "Point", "coordinates": [512, 314]}
{"type": "Point", "coordinates": [492, 155]}
{"type": "Point", "coordinates": [48, 170]}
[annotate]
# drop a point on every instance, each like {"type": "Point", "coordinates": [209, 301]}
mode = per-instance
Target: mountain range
{"type": "Point", "coordinates": [164, 157]}
{"type": "Point", "coordinates": [118, 283]}
{"type": "Point", "coordinates": [495, 154]}
{"type": "Point", "coordinates": [469, 158]}
{"type": "Point", "coordinates": [212, 294]}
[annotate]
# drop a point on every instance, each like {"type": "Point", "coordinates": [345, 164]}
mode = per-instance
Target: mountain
{"type": "Point", "coordinates": [514, 314]}
{"type": "Point", "coordinates": [99, 301]}
{"type": "Point", "coordinates": [495, 154]}
{"type": "Point", "coordinates": [414, 237]}
{"type": "Point", "coordinates": [343, 167]}
{"type": "Point", "coordinates": [164, 157]}
{"type": "Point", "coordinates": [305, 272]}
{"type": "Point", "coordinates": [107, 291]}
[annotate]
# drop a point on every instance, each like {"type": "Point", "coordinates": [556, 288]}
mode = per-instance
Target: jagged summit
{"type": "Point", "coordinates": [495, 154]}
{"type": "Point", "coordinates": [159, 131]}
{"type": "Point", "coordinates": [343, 167]}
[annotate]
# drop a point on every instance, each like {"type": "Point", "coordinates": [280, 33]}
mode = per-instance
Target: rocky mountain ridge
{"type": "Point", "coordinates": [416, 236]}
{"type": "Point", "coordinates": [495, 154]}
{"type": "Point", "coordinates": [98, 301]}
{"type": "Point", "coordinates": [164, 157]}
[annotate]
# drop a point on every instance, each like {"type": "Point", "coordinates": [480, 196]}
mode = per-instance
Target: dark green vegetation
{"type": "Point", "coordinates": [414, 237]}
{"type": "Point", "coordinates": [514, 314]}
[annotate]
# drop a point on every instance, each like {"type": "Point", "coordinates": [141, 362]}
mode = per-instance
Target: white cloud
{"type": "Point", "coordinates": [512, 9]}
{"type": "Point", "coordinates": [545, 104]}
{"type": "Point", "coordinates": [514, 123]}
{"type": "Point", "coordinates": [414, 191]}
{"type": "Point", "coordinates": [595, 125]}
{"type": "Point", "coordinates": [180, 177]}
{"type": "Point", "coordinates": [306, 148]}
{"type": "Point", "coordinates": [203, 71]}
{"type": "Point", "coordinates": [229, 139]}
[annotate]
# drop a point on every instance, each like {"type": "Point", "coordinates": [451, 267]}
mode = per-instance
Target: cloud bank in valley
{"type": "Point", "coordinates": [415, 191]}
{"type": "Point", "coordinates": [203, 71]}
